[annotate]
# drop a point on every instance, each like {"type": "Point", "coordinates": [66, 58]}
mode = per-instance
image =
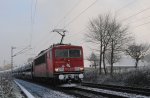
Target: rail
{"type": "Point", "coordinates": [133, 90]}
{"type": "Point", "coordinates": [28, 94]}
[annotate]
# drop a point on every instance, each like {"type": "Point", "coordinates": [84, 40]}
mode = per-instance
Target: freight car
{"type": "Point", "coordinates": [61, 63]}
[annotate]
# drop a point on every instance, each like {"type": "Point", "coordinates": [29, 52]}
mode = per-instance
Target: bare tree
{"type": "Point", "coordinates": [137, 52]}
{"type": "Point", "coordinates": [119, 38]}
{"type": "Point", "coordinates": [111, 60]}
{"type": "Point", "coordinates": [93, 59]}
{"type": "Point", "coordinates": [108, 35]}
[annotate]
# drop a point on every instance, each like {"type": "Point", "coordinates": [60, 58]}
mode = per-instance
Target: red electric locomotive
{"type": "Point", "coordinates": [61, 62]}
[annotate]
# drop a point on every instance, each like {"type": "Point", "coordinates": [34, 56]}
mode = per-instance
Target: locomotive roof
{"type": "Point", "coordinates": [63, 45]}
{"type": "Point", "coordinates": [54, 46]}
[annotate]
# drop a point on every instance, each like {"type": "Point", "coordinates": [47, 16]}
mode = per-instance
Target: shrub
{"type": "Point", "coordinates": [139, 78]}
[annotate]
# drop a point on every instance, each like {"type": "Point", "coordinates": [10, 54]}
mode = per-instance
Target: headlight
{"type": "Point", "coordinates": [81, 68]}
{"type": "Point", "coordinates": [59, 69]}
{"type": "Point", "coordinates": [56, 69]}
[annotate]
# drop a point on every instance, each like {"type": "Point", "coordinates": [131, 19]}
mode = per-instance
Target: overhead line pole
{"type": "Point", "coordinates": [13, 55]}
{"type": "Point", "coordinates": [12, 48]}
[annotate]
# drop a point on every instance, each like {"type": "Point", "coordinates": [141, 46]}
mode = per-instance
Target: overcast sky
{"type": "Point", "coordinates": [25, 22]}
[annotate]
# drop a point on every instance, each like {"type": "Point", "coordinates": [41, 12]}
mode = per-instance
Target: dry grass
{"type": "Point", "coordinates": [135, 78]}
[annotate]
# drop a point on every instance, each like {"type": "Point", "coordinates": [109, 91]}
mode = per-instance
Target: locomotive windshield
{"type": "Point", "coordinates": [65, 53]}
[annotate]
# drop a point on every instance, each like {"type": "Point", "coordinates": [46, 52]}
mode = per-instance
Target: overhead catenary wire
{"type": "Point", "coordinates": [33, 12]}
{"type": "Point", "coordinates": [128, 4]}
{"type": "Point", "coordinates": [136, 14]}
{"type": "Point", "coordinates": [142, 24]}
{"type": "Point", "coordinates": [80, 14]}
{"type": "Point", "coordinates": [31, 25]}
{"type": "Point", "coordinates": [120, 8]}
{"type": "Point", "coordinates": [22, 51]}
{"type": "Point", "coordinates": [139, 19]}
{"type": "Point", "coordinates": [68, 13]}
{"type": "Point", "coordinates": [52, 37]}
{"type": "Point", "coordinates": [38, 43]}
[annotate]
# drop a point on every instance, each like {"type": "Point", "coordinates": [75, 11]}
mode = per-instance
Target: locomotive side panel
{"type": "Point", "coordinates": [50, 70]}
{"type": "Point", "coordinates": [40, 66]}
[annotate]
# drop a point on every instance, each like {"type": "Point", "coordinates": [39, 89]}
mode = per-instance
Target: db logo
{"type": "Point", "coordinates": [68, 65]}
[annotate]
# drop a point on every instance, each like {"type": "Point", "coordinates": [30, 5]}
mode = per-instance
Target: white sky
{"type": "Point", "coordinates": [16, 27]}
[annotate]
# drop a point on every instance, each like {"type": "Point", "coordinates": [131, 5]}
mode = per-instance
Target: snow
{"type": "Point", "coordinates": [29, 95]}
{"type": "Point", "coordinates": [114, 92]}
{"type": "Point", "coordinates": [67, 85]}
{"type": "Point", "coordinates": [8, 89]}
{"type": "Point", "coordinates": [42, 92]}
{"type": "Point", "coordinates": [17, 91]}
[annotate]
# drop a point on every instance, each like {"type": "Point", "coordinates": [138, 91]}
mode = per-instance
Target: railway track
{"type": "Point", "coordinates": [87, 93]}
{"type": "Point", "coordinates": [80, 92]}
{"type": "Point", "coordinates": [90, 90]}
{"type": "Point", "coordinates": [139, 91]}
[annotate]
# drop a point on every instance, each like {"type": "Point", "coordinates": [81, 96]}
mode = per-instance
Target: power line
{"type": "Point", "coordinates": [136, 14]}
{"type": "Point", "coordinates": [52, 37]}
{"type": "Point", "coordinates": [22, 51]}
{"type": "Point", "coordinates": [69, 12]}
{"type": "Point", "coordinates": [140, 19]}
{"type": "Point", "coordinates": [142, 24]}
{"type": "Point", "coordinates": [31, 26]}
{"type": "Point", "coordinates": [80, 14]}
{"type": "Point", "coordinates": [126, 5]}
{"type": "Point", "coordinates": [62, 19]}
{"type": "Point", "coordinates": [33, 12]}
{"type": "Point", "coordinates": [39, 42]}
{"type": "Point", "coordinates": [35, 8]}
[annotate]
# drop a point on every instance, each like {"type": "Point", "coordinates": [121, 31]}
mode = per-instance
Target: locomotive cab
{"type": "Point", "coordinates": [68, 63]}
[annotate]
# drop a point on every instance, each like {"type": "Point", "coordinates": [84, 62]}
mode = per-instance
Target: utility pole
{"type": "Point", "coordinates": [12, 48]}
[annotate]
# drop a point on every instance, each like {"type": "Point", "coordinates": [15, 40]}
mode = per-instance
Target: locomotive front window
{"type": "Point", "coordinates": [66, 53]}
{"type": "Point", "coordinates": [61, 53]}
{"type": "Point", "coordinates": [74, 53]}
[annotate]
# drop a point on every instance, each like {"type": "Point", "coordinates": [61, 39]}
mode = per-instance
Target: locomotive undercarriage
{"type": "Point", "coordinates": [69, 78]}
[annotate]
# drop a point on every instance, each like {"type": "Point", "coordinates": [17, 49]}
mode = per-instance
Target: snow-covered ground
{"type": "Point", "coordinates": [17, 92]}
{"type": "Point", "coordinates": [8, 89]}
{"type": "Point", "coordinates": [42, 92]}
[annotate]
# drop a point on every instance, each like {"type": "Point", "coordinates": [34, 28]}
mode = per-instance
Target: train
{"type": "Point", "coordinates": [60, 63]}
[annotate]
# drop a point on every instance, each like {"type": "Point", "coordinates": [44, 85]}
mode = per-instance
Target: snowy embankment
{"type": "Point", "coordinates": [8, 89]}
{"type": "Point", "coordinates": [42, 92]}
